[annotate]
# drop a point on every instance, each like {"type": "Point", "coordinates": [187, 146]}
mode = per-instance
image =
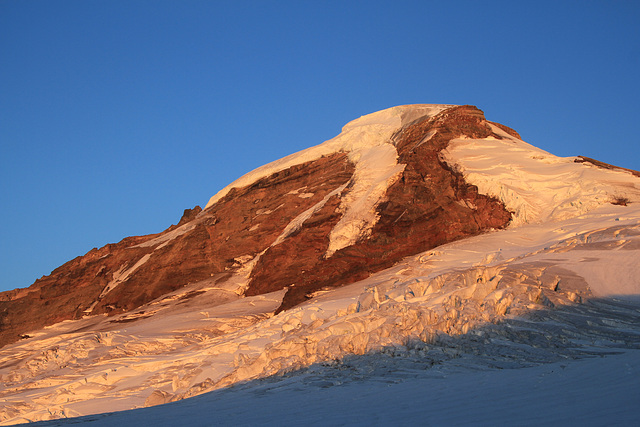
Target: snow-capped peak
{"type": "Point", "coordinates": [371, 130]}
{"type": "Point", "coordinates": [396, 117]}
{"type": "Point", "coordinates": [367, 140]}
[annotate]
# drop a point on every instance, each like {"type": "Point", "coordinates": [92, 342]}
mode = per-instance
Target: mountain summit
{"type": "Point", "coordinates": [336, 212]}
{"type": "Point", "coordinates": [439, 219]}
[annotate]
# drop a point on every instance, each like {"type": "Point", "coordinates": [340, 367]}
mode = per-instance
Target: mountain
{"type": "Point", "coordinates": [336, 211]}
{"type": "Point", "coordinates": [424, 231]}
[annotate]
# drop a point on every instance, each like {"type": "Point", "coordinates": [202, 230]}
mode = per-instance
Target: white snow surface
{"type": "Point", "coordinates": [524, 325]}
{"type": "Point", "coordinates": [534, 184]}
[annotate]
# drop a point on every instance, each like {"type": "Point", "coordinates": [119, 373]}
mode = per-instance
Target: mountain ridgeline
{"type": "Point", "coordinates": [426, 205]}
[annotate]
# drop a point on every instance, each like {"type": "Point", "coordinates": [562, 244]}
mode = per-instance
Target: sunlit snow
{"type": "Point", "coordinates": [536, 185]}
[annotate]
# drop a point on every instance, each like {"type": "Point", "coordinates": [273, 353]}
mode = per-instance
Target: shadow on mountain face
{"type": "Point", "coordinates": [597, 328]}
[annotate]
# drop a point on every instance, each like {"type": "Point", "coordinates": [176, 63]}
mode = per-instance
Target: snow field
{"type": "Point", "coordinates": [453, 291]}
{"type": "Point", "coordinates": [537, 186]}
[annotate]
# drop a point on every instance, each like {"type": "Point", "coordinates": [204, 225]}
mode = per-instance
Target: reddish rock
{"type": "Point", "coordinates": [603, 165]}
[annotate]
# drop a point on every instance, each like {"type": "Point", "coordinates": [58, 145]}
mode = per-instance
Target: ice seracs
{"type": "Point", "coordinates": [189, 347]}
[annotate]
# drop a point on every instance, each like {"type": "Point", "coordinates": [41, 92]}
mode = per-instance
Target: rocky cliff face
{"type": "Point", "coordinates": [296, 228]}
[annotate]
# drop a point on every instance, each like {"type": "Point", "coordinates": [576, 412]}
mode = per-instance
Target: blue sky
{"type": "Point", "coordinates": [115, 116]}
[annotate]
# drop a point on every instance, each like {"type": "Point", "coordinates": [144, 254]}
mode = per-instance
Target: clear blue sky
{"type": "Point", "coordinates": [115, 116]}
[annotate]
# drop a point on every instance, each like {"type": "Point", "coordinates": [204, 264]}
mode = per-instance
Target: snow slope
{"type": "Point", "coordinates": [379, 390]}
{"type": "Point", "coordinates": [548, 304]}
{"type": "Point", "coordinates": [537, 186]}
{"type": "Point", "coordinates": [357, 137]}
{"type": "Point", "coordinates": [72, 369]}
